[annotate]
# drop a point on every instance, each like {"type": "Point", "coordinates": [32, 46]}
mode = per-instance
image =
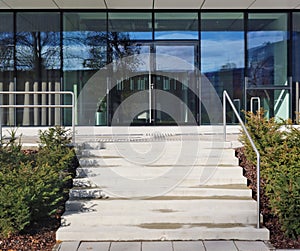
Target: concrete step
{"type": "Point", "coordinates": [203, 152]}
{"type": "Point", "coordinates": [197, 175]}
{"type": "Point", "coordinates": [162, 232]}
{"type": "Point", "coordinates": [195, 192]}
{"type": "Point", "coordinates": [123, 206]}
{"type": "Point", "coordinates": [116, 160]}
{"type": "Point", "coordinates": [106, 144]}
{"type": "Point", "coordinates": [160, 217]}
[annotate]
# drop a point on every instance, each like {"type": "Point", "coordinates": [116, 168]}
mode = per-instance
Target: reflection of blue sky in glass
{"type": "Point", "coordinates": [140, 35]}
{"type": "Point", "coordinates": [219, 49]}
{"type": "Point", "coordinates": [185, 53]}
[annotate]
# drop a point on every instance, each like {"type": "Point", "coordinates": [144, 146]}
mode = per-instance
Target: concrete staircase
{"type": "Point", "coordinates": [159, 188]}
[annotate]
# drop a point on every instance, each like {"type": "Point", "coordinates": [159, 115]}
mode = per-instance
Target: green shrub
{"type": "Point", "coordinates": [279, 146]}
{"type": "Point", "coordinates": [34, 186]}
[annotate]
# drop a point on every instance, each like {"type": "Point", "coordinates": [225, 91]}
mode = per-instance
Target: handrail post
{"type": "Point", "coordinates": [258, 189]}
{"type": "Point", "coordinates": [224, 115]}
{"type": "Point", "coordinates": [227, 98]}
{"type": "Point", "coordinates": [73, 118]}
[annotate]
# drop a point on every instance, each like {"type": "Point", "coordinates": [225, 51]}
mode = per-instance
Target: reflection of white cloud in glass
{"type": "Point", "coordinates": [258, 38]}
{"type": "Point", "coordinates": [176, 35]}
{"type": "Point", "coordinates": [226, 48]}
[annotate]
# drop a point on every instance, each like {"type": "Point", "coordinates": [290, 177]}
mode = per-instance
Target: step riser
{"type": "Point", "coordinates": [116, 220]}
{"type": "Point", "coordinates": [112, 145]}
{"type": "Point", "coordinates": [116, 161]}
{"type": "Point", "coordinates": [96, 234]}
{"type": "Point", "coordinates": [180, 191]}
{"type": "Point", "coordinates": [219, 176]}
{"type": "Point", "coordinates": [201, 153]}
{"type": "Point", "coordinates": [109, 206]}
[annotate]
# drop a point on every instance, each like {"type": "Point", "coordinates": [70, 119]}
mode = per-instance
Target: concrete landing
{"type": "Point", "coordinates": [166, 246]}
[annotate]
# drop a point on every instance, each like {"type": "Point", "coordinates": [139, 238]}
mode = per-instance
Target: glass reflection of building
{"type": "Point", "coordinates": [252, 55]}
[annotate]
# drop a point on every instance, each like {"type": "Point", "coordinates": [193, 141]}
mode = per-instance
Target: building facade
{"type": "Point", "coordinates": [147, 65]}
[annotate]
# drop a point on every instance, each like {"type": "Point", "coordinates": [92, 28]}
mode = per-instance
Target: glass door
{"type": "Point", "coordinates": [158, 89]}
{"type": "Point", "coordinates": [173, 79]}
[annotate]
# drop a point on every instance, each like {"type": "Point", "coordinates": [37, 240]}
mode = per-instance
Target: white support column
{"type": "Point", "coordinates": [36, 116]}
{"type": "Point", "coordinates": [26, 118]}
{"type": "Point", "coordinates": [11, 101]}
{"type": "Point", "coordinates": [49, 103]}
{"type": "Point", "coordinates": [44, 100]}
{"type": "Point", "coordinates": [75, 90]}
{"type": "Point", "coordinates": [57, 102]}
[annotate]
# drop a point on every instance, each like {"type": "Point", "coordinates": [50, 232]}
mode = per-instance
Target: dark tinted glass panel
{"type": "Point", "coordinates": [84, 54]}
{"type": "Point", "coordinates": [38, 64]}
{"type": "Point", "coordinates": [176, 26]}
{"type": "Point", "coordinates": [296, 47]}
{"type": "Point", "coordinates": [7, 65]}
{"type": "Point", "coordinates": [130, 26]}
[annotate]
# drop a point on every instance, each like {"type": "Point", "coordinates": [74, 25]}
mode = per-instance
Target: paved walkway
{"type": "Point", "coordinates": [166, 246]}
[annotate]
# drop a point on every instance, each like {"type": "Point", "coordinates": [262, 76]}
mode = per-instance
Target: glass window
{"type": "Point", "coordinates": [267, 49]}
{"type": "Point", "coordinates": [267, 44]}
{"type": "Point", "coordinates": [6, 46]}
{"type": "Point", "coordinates": [7, 65]}
{"type": "Point", "coordinates": [296, 46]}
{"type": "Point", "coordinates": [129, 26]}
{"type": "Point", "coordinates": [176, 26]}
{"type": "Point", "coordinates": [38, 63]}
{"type": "Point", "coordinates": [84, 54]}
{"type": "Point", "coordinates": [38, 46]}
{"type": "Point", "coordinates": [222, 56]}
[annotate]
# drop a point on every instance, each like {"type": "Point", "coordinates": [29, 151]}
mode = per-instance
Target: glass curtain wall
{"type": "Point", "coordinates": [38, 65]}
{"type": "Point", "coordinates": [7, 66]}
{"type": "Point", "coordinates": [267, 67]}
{"type": "Point", "coordinates": [222, 58]}
{"type": "Point", "coordinates": [84, 54]}
{"type": "Point", "coordinates": [117, 61]}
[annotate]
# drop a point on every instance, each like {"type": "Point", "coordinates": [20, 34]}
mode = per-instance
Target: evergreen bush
{"type": "Point", "coordinates": [33, 186]}
{"type": "Point", "coordinates": [278, 143]}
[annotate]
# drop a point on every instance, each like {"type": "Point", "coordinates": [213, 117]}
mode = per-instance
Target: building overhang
{"type": "Point", "coordinates": [151, 4]}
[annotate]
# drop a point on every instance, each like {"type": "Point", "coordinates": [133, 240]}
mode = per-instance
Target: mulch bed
{"type": "Point", "coordinates": [41, 237]}
{"type": "Point", "coordinates": [37, 237]}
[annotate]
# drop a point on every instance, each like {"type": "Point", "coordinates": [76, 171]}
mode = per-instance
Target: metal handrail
{"type": "Point", "coordinates": [40, 106]}
{"type": "Point", "coordinates": [251, 103]}
{"type": "Point", "coordinates": [226, 97]}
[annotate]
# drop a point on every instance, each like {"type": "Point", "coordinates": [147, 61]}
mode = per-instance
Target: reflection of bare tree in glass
{"type": "Point", "coordinates": [261, 73]}
{"type": "Point", "coordinates": [119, 45]}
{"type": "Point", "coordinates": [6, 52]}
{"type": "Point", "coordinates": [38, 51]}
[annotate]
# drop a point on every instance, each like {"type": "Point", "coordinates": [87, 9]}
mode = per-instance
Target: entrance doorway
{"type": "Point", "coordinates": [162, 90]}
